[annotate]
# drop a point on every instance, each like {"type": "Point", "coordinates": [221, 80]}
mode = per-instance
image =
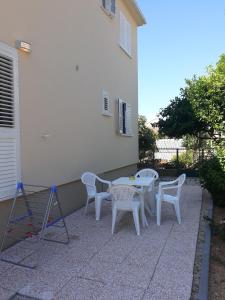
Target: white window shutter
{"type": "Point", "coordinates": [121, 29]}
{"type": "Point", "coordinates": [9, 133]}
{"type": "Point", "coordinates": [120, 116]}
{"type": "Point", "coordinates": [128, 37]}
{"type": "Point", "coordinates": [125, 34]}
{"type": "Point", "coordinates": [129, 130]}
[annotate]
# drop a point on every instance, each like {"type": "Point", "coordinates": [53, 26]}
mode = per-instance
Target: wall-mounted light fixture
{"type": "Point", "coordinates": [23, 46]}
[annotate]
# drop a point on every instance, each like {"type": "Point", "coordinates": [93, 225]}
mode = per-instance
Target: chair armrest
{"type": "Point", "coordinates": [167, 183]}
{"type": "Point", "coordinates": [169, 187]}
{"type": "Point", "coordinates": [105, 181]}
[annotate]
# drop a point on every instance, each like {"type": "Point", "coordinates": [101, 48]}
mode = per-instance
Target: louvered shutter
{"type": "Point", "coordinates": [120, 116]}
{"type": "Point", "coordinates": [9, 166]}
{"type": "Point", "coordinates": [129, 130]}
{"type": "Point", "coordinates": [106, 106]}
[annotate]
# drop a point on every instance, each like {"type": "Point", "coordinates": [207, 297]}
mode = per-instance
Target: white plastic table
{"type": "Point", "coordinates": [140, 182]}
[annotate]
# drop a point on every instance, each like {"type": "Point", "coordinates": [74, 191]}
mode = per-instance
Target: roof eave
{"type": "Point", "coordinates": [136, 12]}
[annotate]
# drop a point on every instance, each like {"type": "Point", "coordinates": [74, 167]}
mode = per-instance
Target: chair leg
{"type": "Point", "coordinates": [114, 213]}
{"type": "Point", "coordinates": [86, 207]}
{"type": "Point", "coordinates": [177, 209]}
{"type": "Point", "coordinates": [136, 220]}
{"type": "Point", "coordinates": [153, 200]}
{"type": "Point", "coordinates": [158, 204]}
{"type": "Point", "coordinates": [148, 208]}
{"type": "Point", "coordinates": [98, 204]}
{"type": "Point", "coordinates": [143, 217]}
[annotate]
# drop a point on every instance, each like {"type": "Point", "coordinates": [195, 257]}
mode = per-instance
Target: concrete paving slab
{"type": "Point", "coordinates": [80, 289]}
{"type": "Point", "coordinates": [16, 253]}
{"type": "Point", "coordinates": [158, 264]}
{"type": "Point", "coordinates": [99, 270]}
{"type": "Point", "coordinates": [18, 278]}
{"type": "Point", "coordinates": [6, 294]}
{"type": "Point", "coordinates": [131, 275]}
{"type": "Point", "coordinates": [118, 292]}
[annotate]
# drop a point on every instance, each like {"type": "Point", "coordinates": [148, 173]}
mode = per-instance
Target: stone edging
{"type": "Point", "coordinates": [202, 258]}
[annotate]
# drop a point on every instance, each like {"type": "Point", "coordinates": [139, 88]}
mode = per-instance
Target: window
{"type": "Point", "coordinates": [125, 118]}
{"type": "Point", "coordinates": [125, 34]}
{"type": "Point", "coordinates": [106, 107]}
{"type": "Point", "coordinates": [9, 129]}
{"type": "Point", "coordinates": [109, 6]}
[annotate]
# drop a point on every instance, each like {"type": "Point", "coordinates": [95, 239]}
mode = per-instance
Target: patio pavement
{"type": "Point", "coordinates": [98, 265]}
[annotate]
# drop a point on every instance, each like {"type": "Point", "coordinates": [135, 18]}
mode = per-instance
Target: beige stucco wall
{"type": "Point", "coordinates": [65, 103]}
{"type": "Point", "coordinates": [72, 196]}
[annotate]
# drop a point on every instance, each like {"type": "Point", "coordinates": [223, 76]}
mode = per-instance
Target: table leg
{"type": "Point", "coordinates": [143, 217]}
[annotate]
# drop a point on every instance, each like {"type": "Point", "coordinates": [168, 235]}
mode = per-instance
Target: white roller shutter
{"type": "Point", "coordinates": [9, 131]}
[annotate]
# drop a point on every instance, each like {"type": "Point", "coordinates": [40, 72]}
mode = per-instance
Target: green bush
{"type": "Point", "coordinates": [212, 175]}
{"type": "Point", "coordinates": [185, 160]}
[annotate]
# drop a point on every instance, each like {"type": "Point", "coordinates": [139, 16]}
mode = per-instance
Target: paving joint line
{"type": "Point", "coordinates": [160, 254]}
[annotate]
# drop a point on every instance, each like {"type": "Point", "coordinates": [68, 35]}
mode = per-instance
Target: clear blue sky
{"type": "Point", "coordinates": [180, 39]}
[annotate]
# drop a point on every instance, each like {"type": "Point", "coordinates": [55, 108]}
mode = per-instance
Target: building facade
{"type": "Point", "coordinates": [68, 94]}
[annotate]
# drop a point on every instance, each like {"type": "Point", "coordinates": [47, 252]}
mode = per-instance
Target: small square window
{"type": "Point", "coordinates": [106, 107]}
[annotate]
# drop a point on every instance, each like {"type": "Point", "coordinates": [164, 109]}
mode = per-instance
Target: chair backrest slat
{"type": "Point", "coordinates": [181, 180]}
{"type": "Point", "coordinates": [89, 179]}
{"type": "Point", "coordinates": [147, 173]}
{"type": "Point", "coordinates": [123, 193]}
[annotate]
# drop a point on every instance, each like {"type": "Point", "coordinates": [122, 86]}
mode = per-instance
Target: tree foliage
{"type": "Point", "coordinates": [207, 97]}
{"type": "Point", "coordinates": [178, 118]}
{"type": "Point", "coordinates": [199, 110]}
{"type": "Point", "coordinates": [146, 136]}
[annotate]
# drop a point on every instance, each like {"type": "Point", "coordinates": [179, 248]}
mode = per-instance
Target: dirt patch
{"type": "Point", "coordinates": [217, 262]}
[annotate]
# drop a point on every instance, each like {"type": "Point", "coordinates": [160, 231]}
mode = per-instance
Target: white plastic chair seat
{"type": "Point", "coordinates": [103, 195]}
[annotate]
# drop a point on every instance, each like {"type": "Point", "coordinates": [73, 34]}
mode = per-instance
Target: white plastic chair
{"type": "Point", "coordinates": [126, 198]}
{"type": "Point", "coordinates": [89, 179]}
{"type": "Point", "coordinates": [147, 173]}
{"type": "Point", "coordinates": [175, 186]}
{"type": "Point", "coordinates": [151, 189]}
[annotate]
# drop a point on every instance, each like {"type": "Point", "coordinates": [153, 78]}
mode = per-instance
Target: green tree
{"type": "Point", "coordinates": [200, 108]}
{"type": "Point", "coordinates": [178, 118]}
{"type": "Point", "coordinates": [146, 137]}
{"type": "Point", "coordinates": [199, 112]}
{"type": "Point", "coordinates": [206, 95]}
